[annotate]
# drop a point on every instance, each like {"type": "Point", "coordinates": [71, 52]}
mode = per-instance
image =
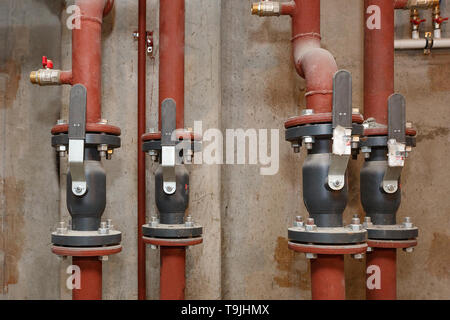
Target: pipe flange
{"type": "Point", "coordinates": [92, 139]}
{"type": "Point", "coordinates": [173, 242]}
{"type": "Point", "coordinates": [75, 238]}
{"type": "Point", "coordinates": [381, 141]}
{"type": "Point", "coordinates": [296, 133]}
{"type": "Point", "coordinates": [355, 249]}
{"type": "Point", "coordinates": [392, 244]}
{"type": "Point", "coordinates": [87, 251]}
{"type": "Point", "coordinates": [315, 118]}
{"type": "Point", "coordinates": [172, 231]}
{"type": "Point", "coordinates": [321, 235]}
{"type": "Point", "coordinates": [383, 131]}
{"type": "Point", "coordinates": [90, 127]}
{"type": "Point", "coordinates": [391, 232]}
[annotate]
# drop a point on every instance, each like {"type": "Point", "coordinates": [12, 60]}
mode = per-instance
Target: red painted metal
{"type": "Point", "coordinates": [171, 55]}
{"type": "Point", "coordinates": [313, 63]}
{"type": "Point", "coordinates": [400, 4]}
{"type": "Point", "coordinates": [386, 260]}
{"type": "Point", "coordinates": [328, 249]}
{"type": "Point", "coordinates": [392, 243]}
{"type": "Point", "coordinates": [328, 277]}
{"type": "Point", "coordinates": [172, 272]}
{"type": "Point", "coordinates": [90, 127]}
{"type": "Point", "coordinates": [378, 60]}
{"type": "Point", "coordinates": [66, 77]}
{"type": "Point", "coordinates": [382, 131]}
{"type": "Point", "coordinates": [173, 242]}
{"type": "Point", "coordinates": [142, 74]}
{"type": "Point", "coordinates": [317, 118]}
{"type": "Point", "coordinates": [86, 55]}
{"type": "Point", "coordinates": [91, 278]}
{"type": "Point", "coordinates": [86, 251]}
{"type": "Point", "coordinates": [180, 134]}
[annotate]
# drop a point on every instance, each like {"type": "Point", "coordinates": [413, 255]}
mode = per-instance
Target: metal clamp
{"type": "Point", "coordinates": [168, 149]}
{"type": "Point", "coordinates": [396, 142]}
{"type": "Point", "coordinates": [77, 134]}
{"type": "Point", "coordinates": [342, 129]}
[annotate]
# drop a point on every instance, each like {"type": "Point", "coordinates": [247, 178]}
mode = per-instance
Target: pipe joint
{"type": "Point", "coordinates": [266, 8]}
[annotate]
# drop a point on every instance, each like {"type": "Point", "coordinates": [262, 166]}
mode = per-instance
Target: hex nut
{"type": "Point", "coordinates": [310, 255]}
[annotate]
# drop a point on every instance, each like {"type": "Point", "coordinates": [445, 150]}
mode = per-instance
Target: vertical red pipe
{"type": "Point", "coordinates": [90, 278]}
{"type": "Point", "coordinates": [171, 55]}
{"type": "Point", "coordinates": [142, 74]}
{"type": "Point", "coordinates": [386, 260]}
{"type": "Point", "coordinates": [172, 273]}
{"type": "Point", "coordinates": [378, 58]}
{"type": "Point", "coordinates": [328, 277]}
{"type": "Point", "coordinates": [87, 55]}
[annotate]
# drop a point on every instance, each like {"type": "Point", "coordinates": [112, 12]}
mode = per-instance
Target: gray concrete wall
{"type": "Point", "coordinates": [239, 74]}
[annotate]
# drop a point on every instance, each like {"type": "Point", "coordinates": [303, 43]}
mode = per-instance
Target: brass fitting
{"type": "Point", "coordinates": [46, 77]}
{"type": "Point", "coordinates": [266, 8]}
{"type": "Point", "coordinates": [422, 4]}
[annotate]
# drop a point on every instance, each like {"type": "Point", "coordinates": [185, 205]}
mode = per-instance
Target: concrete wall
{"type": "Point", "coordinates": [239, 74]}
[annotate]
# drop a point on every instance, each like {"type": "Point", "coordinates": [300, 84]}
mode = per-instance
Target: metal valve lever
{"type": "Point", "coordinates": [342, 129]}
{"type": "Point", "coordinates": [168, 145]}
{"type": "Point", "coordinates": [77, 134]}
{"type": "Point", "coordinates": [396, 142]}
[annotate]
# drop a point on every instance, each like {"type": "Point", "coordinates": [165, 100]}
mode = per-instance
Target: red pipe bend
{"type": "Point", "coordinates": [316, 65]}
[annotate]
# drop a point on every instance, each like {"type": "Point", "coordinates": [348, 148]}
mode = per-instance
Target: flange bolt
{"type": "Point", "coordinates": [189, 222]}
{"type": "Point", "coordinates": [298, 221]}
{"type": "Point", "coordinates": [310, 226]}
{"type": "Point", "coordinates": [407, 223]}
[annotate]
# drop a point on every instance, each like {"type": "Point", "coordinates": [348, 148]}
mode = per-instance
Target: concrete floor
{"type": "Point", "coordinates": [239, 74]}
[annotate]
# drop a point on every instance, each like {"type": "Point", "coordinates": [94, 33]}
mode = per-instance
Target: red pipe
{"type": "Point", "coordinates": [171, 55]}
{"type": "Point", "coordinates": [90, 278]}
{"type": "Point", "coordinates": [87, 55]}
{"type": "Point", "coordinates": [400, 4]}
{"type": "Point", "coordinates": [316, 65]}
{"type": "Point", "coordinates": [142, 74]}
{"type": "Point", "coordinates": [386, 260]}
{"type": "Point", "coordinates": [328, 277]}
{"type": "Point", "coordinates": [172, 273]}
{"type": "Point", "coordinates": [378, 59]}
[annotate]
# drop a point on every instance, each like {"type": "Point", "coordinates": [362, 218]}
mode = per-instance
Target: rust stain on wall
{"type": "Point", "coordinates": [431, 133]}
{"type": "Point", "coordinates": [12, 71]}
{"type": "Point", "coordinates": [11, 227]}
{"type": "Point", "coordinates": [289, 275]}
{"type": "Point", "coordinates": [438, 259]}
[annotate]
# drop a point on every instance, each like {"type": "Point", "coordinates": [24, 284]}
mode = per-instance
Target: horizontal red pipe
{"type": "Point", "coordinates": [171, 55]}
{"type": "Point", "coordinates": [172, 273]}
{"type": "Point", "coordinates": [316, 65]}
{"type": "Point", "coordinates": [386, 261]}
{"type": "Point", "coordinates": [400, 4]}
{"type": "Point", "coordinates": [378, 59]}
{"type": "Point", "coordinates": [91, 278]}
{"type": "Point", "coordinates": [328, 277]}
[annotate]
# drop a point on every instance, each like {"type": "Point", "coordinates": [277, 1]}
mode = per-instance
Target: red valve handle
{"type": "Point", "coordinates": [440, 20]}
{"type": "Point", "coordinates": [418, 21]}
{"type": "Point", "coordinates": [44, 61]}
{"type": "Point", "coordinates": [49, 64]}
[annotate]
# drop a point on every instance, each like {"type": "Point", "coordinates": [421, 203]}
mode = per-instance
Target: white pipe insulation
{"type": "Point", "coordinates": [408, 44]}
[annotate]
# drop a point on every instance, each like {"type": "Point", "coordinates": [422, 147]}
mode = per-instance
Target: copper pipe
{"type": "Point", "coordinates": [90, 278]}
{"type": "Point", "coordinates": [386, 260]}
{"type": "Point", "coordinates": [328, 277]}
{"type": "Point", "coordinates": [316, 65]}
{"type": "Point", "coordinates": [66, 77]}
{"type": "Point", "coordinates": [87, 56]}
{"type": "Point", "coordinates": [171, 55]}
{"type": "Point", "coordinates": [142, 74]}
{"type": "Point", "coordinates": [378, 61]}
{"type": "Point", "coordinates": [172, 273]}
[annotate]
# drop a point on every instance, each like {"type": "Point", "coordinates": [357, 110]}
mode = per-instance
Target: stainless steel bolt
{"type": "Point", "coordinates": [407, 223]}
{"type": "Point", "coordinates": [103, 258]}
{"type": "Point", "coordinates": [306, 112]}
{"type": "Point", "coordinates": [408, 250]}
{"type": "Point", "coordinates": [358, 256]}
{"type": "Point", "coordinates": [310, 255]}
{"type": "Point", "coordinates": [369, 249]}
{"type": "Point", "coordinates": [189, 222]}
{"type": "Point", "coordinates": [298, 221]}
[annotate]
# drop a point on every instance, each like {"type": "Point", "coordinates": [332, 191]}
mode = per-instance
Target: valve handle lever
{"type": "Point", "coordinates": [168, 145]}
{"type": "Point", "coordinates": [342, 129]}
{"type": "Point", "coordinates": [77, 134]}
{"type": "Point", "coordinates": [396, 142]}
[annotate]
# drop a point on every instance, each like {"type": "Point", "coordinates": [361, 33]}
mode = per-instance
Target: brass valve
{"type": "Point", "coordinates": [46, 76]}
{"type": "Point", "coordinates": [266, 8]}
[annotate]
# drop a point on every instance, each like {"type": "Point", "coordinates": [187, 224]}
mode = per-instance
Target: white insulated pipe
{"type": "Point", "coordinates": [408, 44]}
